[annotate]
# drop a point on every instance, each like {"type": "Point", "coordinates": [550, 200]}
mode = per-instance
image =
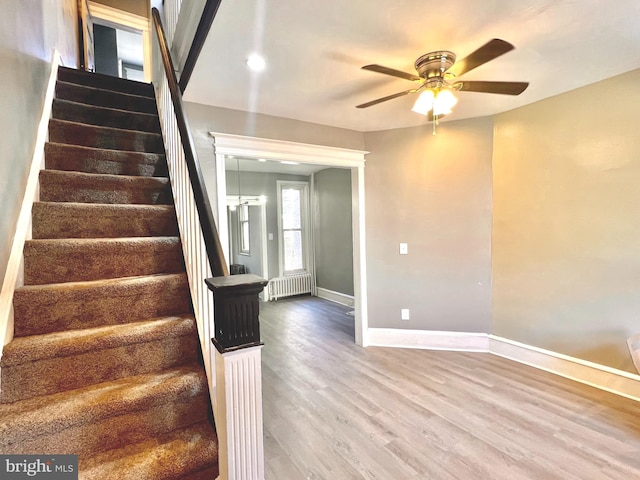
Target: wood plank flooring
{"type": "Point", "coordinates": [333, 410]}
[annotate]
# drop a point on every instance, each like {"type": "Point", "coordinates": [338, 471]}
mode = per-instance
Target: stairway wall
{"type": "Point", "coordinates": [30, 30]}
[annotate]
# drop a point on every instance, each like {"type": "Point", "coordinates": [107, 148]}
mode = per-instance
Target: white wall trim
{"type": "Point", "coordinates": [336, 297]}
{"type": "Point", "coordinates": [242, 146]}
{"type": "Point", "coordinates": [599, 376]}
{"type": "Point", "coordinates": [429, 339]}
{"type": "Point", "coordinates": [13, 277]}
{"type": "Point", "coordinates": [228, 144]}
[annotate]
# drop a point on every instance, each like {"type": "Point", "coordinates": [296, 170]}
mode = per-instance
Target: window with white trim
{"type": "Point", "coordinates": [243, 227]}
{"type": "Point", "coordinates": [293, 226]}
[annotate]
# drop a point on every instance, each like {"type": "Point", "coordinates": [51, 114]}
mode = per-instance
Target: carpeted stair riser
{"type": "Point", "coordinates": [58, 186]}
{"type": "Point", "coordinates": [180, 455]}
{"type": "Point", "coordinates": [49, 308]}
{"type": "Point", "coordinates": [76, 260]}
{"type": "Point", "coordinates": [105, 98]}
{"type": "Point", "coordinates": [106, 82]}
{"type": "Point", "coordinates": [207, 474]}
{"type": "Point", "coordinates": [104, 416]}
{"type": "Point", "coordinates": [105, 117]}
{"type": "Point", "coordinates": [40, 364]}
{"type": "Point", "coordinates": [63, 131]}
{"type": "Point", "coordinates": [59, 156]}
{"type": "Point", "coordinates": [80, 220]}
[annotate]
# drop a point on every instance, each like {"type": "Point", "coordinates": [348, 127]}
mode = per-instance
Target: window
{"type": "Point", "coordinates": [292, 219]}
{"type": "Point", "coordinates": [243, 227]}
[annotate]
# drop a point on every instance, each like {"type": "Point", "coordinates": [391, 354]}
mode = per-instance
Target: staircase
{"type": "Point", "coordinates": [105, 362]}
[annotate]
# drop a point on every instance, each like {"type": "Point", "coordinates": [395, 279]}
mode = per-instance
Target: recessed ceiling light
{"type": "Point", "coordinates": [256, 62]}
{"type": "Point", "coordinates": [261, 160]}
{"type": "Point", "coordinates": [286, 162]}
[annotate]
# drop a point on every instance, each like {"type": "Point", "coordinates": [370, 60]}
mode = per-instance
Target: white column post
{"type": "Point", "coordinates": [239, 420]}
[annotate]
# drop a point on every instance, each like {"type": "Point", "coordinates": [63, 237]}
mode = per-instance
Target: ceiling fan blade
{"type": "Point", "coordinates": [384, 99]}
{"type": "Point", "coordinates": [503, 88]}
{"type": "Point", "coordinates": [490, 50]}
{"type": "Point", "coordinates": [392, 72]}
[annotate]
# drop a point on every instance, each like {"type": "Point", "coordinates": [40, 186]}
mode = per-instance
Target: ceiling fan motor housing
{"type": "Point", "coordinates": [435, 64]}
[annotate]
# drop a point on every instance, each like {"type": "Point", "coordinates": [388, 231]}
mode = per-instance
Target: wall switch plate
{"type": "Point", "coordinates": [404, 314]}
{"type": "Point", "coordinates": [270, 236]}
{"type": "Point", "coordinates": [404, 248]}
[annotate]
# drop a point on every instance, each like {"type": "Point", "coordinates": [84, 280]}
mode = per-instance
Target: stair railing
{"type": "Point", "coordinates": [228, 319]}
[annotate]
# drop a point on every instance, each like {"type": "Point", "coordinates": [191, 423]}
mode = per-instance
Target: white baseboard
{"type": "Point", "coordinates": [605, 378]}
{"type": "Point", "coordinates": [428, 339]}
{"type": "Point", "coordinates": [336, 297]}
{"type": "Point", "coordinates": [13, 275]}
{"type": "Point", "coordinates": [599, 376]}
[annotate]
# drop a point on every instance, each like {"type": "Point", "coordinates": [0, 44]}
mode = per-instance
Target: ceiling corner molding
{"type": "Point", "coordinates": [252, 147]}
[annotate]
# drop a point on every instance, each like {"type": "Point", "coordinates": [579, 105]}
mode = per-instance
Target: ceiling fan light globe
{"type": "Point", "coordinates": [424, 102]}
{"type": "Point", "coordinates": [444, 102]}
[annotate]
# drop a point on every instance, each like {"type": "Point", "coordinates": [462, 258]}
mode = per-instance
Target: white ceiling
{"type": "Point", "coordinates": [314, 51]}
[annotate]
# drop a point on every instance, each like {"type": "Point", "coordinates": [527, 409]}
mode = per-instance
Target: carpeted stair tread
{"type": "Point", "coordinates": [104, 116]}
{"type": "Point", "coordinates": [74, 260]}
{"type": "Point", "coordinates": [105, 98]}
{"type": "Point", "coordinates": [63, 186]}
{"type": "Point", "coordinates": [60, 156]}
{"type": "Point", "coordinates": [92, 220]}
{"type": "Point", "coordinates": [74, 133]}
{"type": "Point", "coordinates": [25, 424]}
{"type": "Point", "coordinates": [165, 457]}
{"type": "Point", "coordinates": [74, 342]}
{"type": "Point", "coordinates": [49, 308]}
{"type": "Point", "coordinates": [105, 360]}
{"type": "Point", "coordinates": [105, 82]}
{"type": "Point", "coordinates": [56, 362]}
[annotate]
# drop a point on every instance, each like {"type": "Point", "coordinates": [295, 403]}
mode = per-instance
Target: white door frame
{"type": "Point", "coordinates": [242, 146]}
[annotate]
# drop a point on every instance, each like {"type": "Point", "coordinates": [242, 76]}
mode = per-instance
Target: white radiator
{"type": "Point", "coordinates": [290, 285]}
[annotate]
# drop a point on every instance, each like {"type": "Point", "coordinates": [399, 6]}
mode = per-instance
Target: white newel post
{"type": "Point", "coordinates": [238, 376]}
{"type": "Point", "coordinates": [239, 384]}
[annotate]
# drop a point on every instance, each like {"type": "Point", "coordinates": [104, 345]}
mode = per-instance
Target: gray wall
{"type": "Point", "coordinates": [434, 193]}
{"type": "Point", "coordinates": [253, 260]}
{"type": "Point", "coordinates": [251, 184]}
{"type": "Point", "coordinates": [566, 229]}
{"type": "Point", "coordinates": [333, 230]}
{"type": "Point", "coordinates": [29, 29]}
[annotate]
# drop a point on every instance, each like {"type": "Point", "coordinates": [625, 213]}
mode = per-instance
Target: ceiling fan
{"type": "Point", "coordinates": [437, 72]}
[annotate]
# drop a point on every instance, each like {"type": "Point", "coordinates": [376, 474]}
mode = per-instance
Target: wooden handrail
{"type": "Point", "coordinates": [204, 25]}
{"type": "Point", "coordinates": [205, 213]}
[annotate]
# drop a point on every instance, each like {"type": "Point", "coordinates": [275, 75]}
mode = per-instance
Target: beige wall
{"type": "Point", "coordinates": [566, 229]}
{"type": "Point", "coordinates": [29, 30]}
{"type": "Point", "coordinates": [433, 192]}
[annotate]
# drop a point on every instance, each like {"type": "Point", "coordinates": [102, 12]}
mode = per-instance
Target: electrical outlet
{"type": "Point", "coordinates": [404, 314]}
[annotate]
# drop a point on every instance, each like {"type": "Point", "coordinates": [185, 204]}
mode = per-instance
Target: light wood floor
{"type": "Point", "coordinates": [333, 410]}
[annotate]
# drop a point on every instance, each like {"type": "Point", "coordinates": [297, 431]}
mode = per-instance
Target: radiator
{"type": "Point", "coordinates": [290, 285]}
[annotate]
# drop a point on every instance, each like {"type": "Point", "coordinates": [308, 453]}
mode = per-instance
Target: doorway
{"type": "Point", "coordinates": [120, 41]}
{"type": "Point", "coordinates": [275, 150]}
